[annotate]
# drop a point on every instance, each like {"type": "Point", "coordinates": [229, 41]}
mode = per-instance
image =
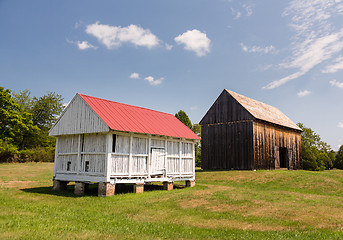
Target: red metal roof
{"type": "Point", "coordinates": [128, 118]}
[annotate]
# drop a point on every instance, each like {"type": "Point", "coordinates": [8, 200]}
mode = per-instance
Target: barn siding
{"type": "Point", "coordinates": [227, 146]}
{"type": "Point", "coordinates": [225, 110]}
{"type": "Point", "coordinates": [268, 138]}
{"type": "Point", "coordinates": [78, 118]}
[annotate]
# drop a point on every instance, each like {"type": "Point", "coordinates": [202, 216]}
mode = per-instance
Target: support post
{"type": "Point", "coordinates": [190, 183]}
{"type": "Point", "coordinates": [106, 189]}
{"type": "Point", "coordinates": [109, 138]}
{"type": "Point", "coordinates": [59, 185]}
{"type": "Point", "coordinates": [80, 188]}
{"type": "Point", "coordinates": [168, 186]}
{"type": "Point", "coordinates": [138, 188]}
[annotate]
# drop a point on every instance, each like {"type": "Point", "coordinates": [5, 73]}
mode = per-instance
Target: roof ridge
{"type": "Point", "coordinates": [124, 104]}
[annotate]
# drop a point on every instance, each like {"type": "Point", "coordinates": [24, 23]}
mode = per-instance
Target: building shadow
{"type": "Point", "coordinates": [92, 189]}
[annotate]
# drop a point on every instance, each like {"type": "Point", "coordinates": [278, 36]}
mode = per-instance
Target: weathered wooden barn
{"type": "Point", "coordinates": [241, 133]}
{"type": "Point", "coordinates": [105, 142]}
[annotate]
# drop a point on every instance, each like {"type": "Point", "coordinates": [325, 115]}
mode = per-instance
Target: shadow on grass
{"type": "Point", "coordinates": [92, 189]}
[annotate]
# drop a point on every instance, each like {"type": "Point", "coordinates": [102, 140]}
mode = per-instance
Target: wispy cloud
{"type": "Point", "coordinates": [194, 40]}
{"type": "Point", "coordinates": [236, 13]}
{"type": "Point", "coordinates": [335, 83]}
{"type": "Point", "coordinates": [338, 65]}
{"type": "Point", "coordinates": [134, 75]}
{"type": "Point", "coordinates": [303, 93]}
{"type": "Point", "coordinates": [153, 81]}
{"type": "Point", "coordinates": [340, 125]}
{"type": "Point", "coordinates": [315, 39]}
{"type": "Point", "coordinates": [113, 36]}
{"type": "Point", "coordinates": [248, 9]}
{"type": "Point", "coordinates": [258, 49]}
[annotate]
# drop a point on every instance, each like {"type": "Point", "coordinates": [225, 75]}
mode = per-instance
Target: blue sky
{"type": "Point", "coordinates": [172, 55]}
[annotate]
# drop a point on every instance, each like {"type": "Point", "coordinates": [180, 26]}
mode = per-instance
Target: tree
{"type": "Point", "coordinates": [183, 117]}
{"type": "Point", "coordinates": [339, 158]}
{"type": "Point", "coordinates": [196, 128]}
{"type": "Point", "coordinates": [315, 153]}
{"type": "Point", "coordinates": [15, 124]}
{"type": "Point", "coordinates": [46, 109]}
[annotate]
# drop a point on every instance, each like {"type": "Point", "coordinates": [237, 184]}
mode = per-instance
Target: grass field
{"type": "Point", "coordinates": [224, 205]}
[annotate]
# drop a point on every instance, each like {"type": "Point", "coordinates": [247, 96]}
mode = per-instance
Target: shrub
{"type": "Point", "coordinates": [8, 152]}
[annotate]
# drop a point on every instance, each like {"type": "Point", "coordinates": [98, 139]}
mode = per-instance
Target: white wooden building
{"type": "Point", "coordinates": [105, 142]}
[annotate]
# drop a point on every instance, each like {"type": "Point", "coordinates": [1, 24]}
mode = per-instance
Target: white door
{"type": "Point", "coordinates": [157, 165]}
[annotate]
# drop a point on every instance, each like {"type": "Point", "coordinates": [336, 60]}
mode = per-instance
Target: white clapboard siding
{"type": "Point", "coordinates": [96, 162]}
{"type": "Point", "coordinates": [68, 144]}
{"type": "Point", "coordinates": [78, 118]}
{"type": "Point", "coordinates": [138, 165]}
{"type": "Point", "coordinates": [120, 165]}
{"type": "Point", "coordinates": [157, 143]}
{"type": "Point", "coordinates": [139, 145]}
{"type": "Point", "coordinates": [94, 143]}
{"type": "Point", "coordinates": [122, 144]}
{"type": "Point", "coordinates": [173, 165]}
{"type": "Point", "coordinates": [62, 163]}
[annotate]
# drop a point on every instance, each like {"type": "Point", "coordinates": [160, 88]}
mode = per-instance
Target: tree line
{"type": "Point", "coordinates": [24, 125]}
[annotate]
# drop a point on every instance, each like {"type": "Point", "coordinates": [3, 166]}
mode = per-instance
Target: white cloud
{"type": "Point", "coordinates": [303, 93]}
{"type": "Point", "coordinates": [315, 40]}
{"type": "Point", "coordinates": [195, 41]}
{"type": "Point", "coordinates": [85, 45]}
{"type": "Point", "coordinates": [154, 82]}
{"type": "Point", "coordinates": [114, 36]}
{"type": "Point", "coordinates": [334, 82]}
{"type": "Point", "coordinates": [168, 46]}
{"type": "Point", "coordinates": [338, 65]}
{"type": "Point", "coordinates": [194, 108]}
{"type": "Point", "coordinates": [340, 125]}
{"type": "Point", "coordinates": [82, 45]}
{"type": "Point", "coordinates": [258, 49]}
{"type": "Point", "coordinates": [134, 75]}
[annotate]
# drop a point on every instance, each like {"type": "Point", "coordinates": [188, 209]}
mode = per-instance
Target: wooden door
{"type": "Point", "coordinates": [157, 163]}
{"type": "Point", "coordinates": [277, 157]}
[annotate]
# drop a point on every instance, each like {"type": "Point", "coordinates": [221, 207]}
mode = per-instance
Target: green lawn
{"type": "Point", "coordinates": [224, 205]}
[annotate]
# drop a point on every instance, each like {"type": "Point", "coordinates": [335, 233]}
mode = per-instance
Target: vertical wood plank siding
{"type": "Point", "coordinates": [93, 150]}
{"type": "Point", "coordinates": [79, 118]}
{"type": "Point", "coordinates": [272, 138]}
{"type": "Point", "coordinates": [227, 146]}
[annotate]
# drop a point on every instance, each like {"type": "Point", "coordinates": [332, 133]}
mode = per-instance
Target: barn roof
{"type": "Point", "coordinates": [128, 118]}
{"type": "Point", "coordinates": [263, 111]}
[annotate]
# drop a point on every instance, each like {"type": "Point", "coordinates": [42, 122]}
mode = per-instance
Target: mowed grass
{"type": "Point", "coordinates": [224, 205]}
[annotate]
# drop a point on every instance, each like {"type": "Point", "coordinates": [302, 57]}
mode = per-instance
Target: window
{"type": "Point", "coordinates": [68, 166]}
{"type": "Point", "coordinates": [87, 166]}
{"type": "Point", "coordinates": [114, 143]}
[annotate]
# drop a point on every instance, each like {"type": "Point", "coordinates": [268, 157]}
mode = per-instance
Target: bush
{"type": "Point", "coordinates": [8, 152]}
{"type": "Point", "coordinates": [36, 155]}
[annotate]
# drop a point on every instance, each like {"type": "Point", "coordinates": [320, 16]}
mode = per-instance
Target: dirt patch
{"type": "Point", "coordinates": [16, 184]}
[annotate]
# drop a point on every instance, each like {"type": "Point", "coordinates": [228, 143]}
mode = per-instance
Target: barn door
{"type": "Point", "coordinates": [277, 157]}
{"type": "Point", "coordinates": [157, 166]}
{"type": "Point", "coordinates": [290, 160]}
